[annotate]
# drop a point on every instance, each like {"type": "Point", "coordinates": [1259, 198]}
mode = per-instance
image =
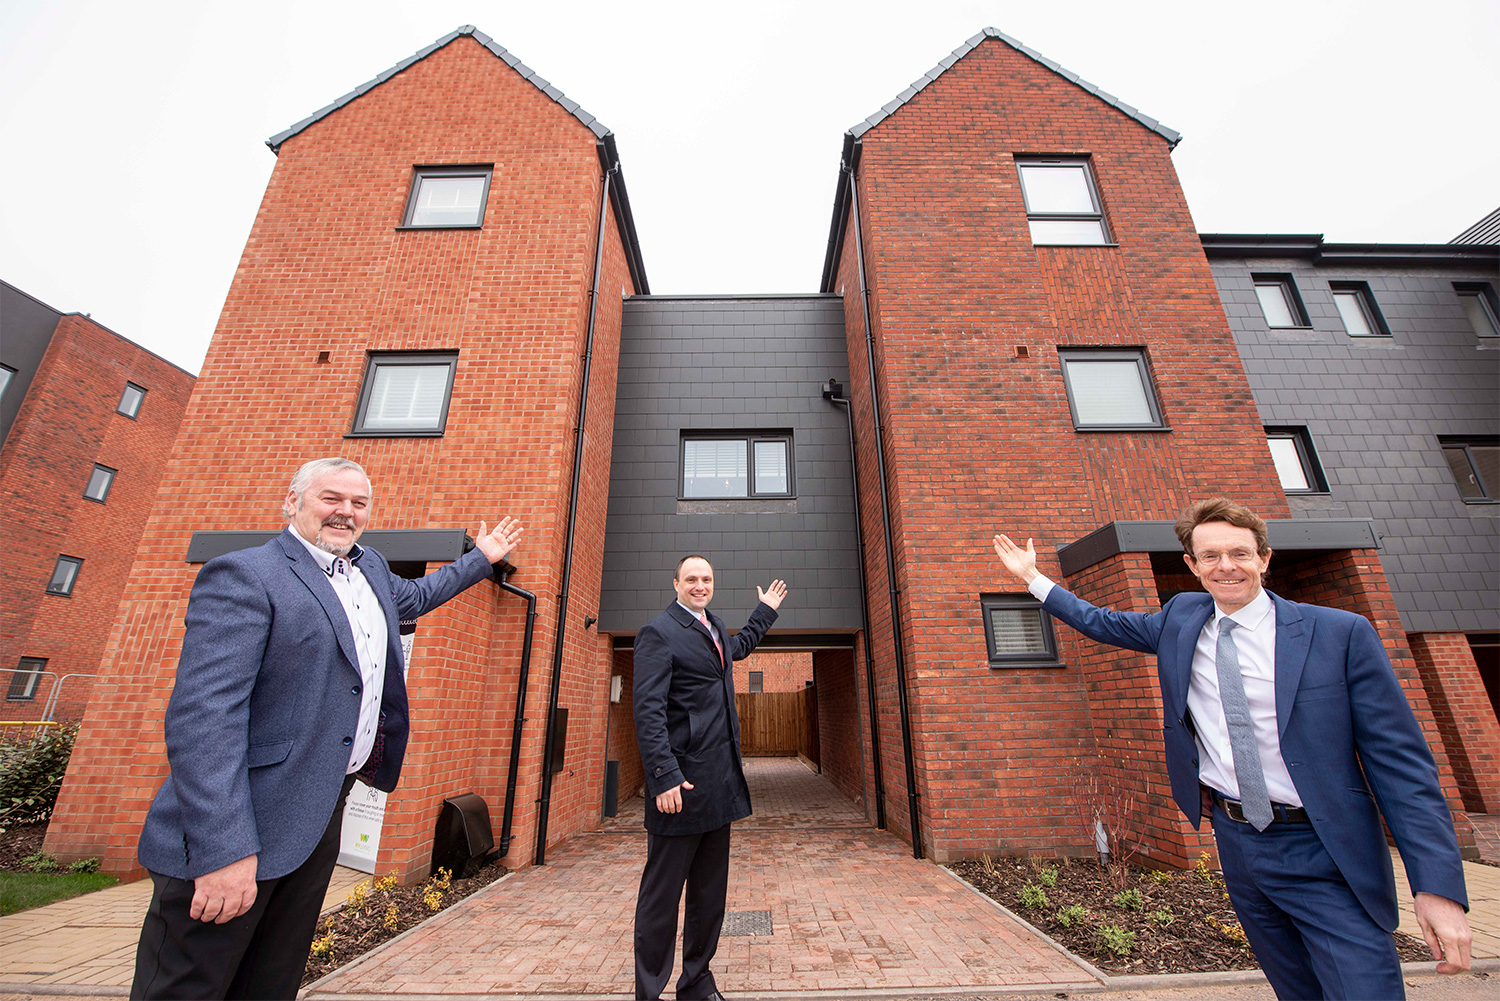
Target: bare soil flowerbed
{"type": "Point", "coordinates": [379, 910]}
{"type": "Point", "coordinates": [1135, 921]}
{"type": "Point", "coordinates": [18, 842]}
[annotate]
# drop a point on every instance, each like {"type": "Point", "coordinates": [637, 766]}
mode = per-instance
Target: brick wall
{"type": "Point", "coordinates": [326, 270]}
{"type": "Point", "coordinates": [780, 672]}
{"type": "Point", "coordinates": [622, 744]}
{"type": "Point", "coordinates": [978, 433]}
{"type": "Point", "coordinates": [1461, 708]}
{"type": "Point", "coordinates": [841, 727]}
{"type": "Point", "coordinates": [66, 424]}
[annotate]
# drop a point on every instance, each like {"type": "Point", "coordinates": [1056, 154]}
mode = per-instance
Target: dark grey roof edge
{"type": "Point", "coordinates": [508, 58]}
{"type": "Point", "coordinates": [1172, 136]}
{"type": "Point", "coordinates": [426, 545]}
{"type": "Point", "coordinates": [1118, 537]}
{"type": "Point", "coordinates": [732, 297]}
{"type": "Point", "coordinates": [1486, 230]}
{"type": "Point", "coordinates": [1313, 247]}
{"type": "Point", "coordinates": [107, 329]}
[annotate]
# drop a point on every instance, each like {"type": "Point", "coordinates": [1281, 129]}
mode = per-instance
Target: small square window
{"type": "Point", "coordinates": [1296, 461]}
{"type": "Point", "coordinates": [131, 399]}
{"type": "Point", "coordinates": [757, 681]}
{"type": "Point", "coordinates": [25, 679]}
{"type": "Point", "coordinates": [724, 467]}
{"type": "Point", "coordinates": [1356, 306]}
{"type": "Point", "coordinates": [64, 575]}
{"type": "Point", "coordinates": [1279, 301]}
{"type": "Point", "coordinates": [406, 395]}
{"type": "Point", "coordinates": [1062, 203]}
{"type": "Point", "coordinates": [6, 375]}
{"type": "Point", "coordinates": [1475, 463]}
{"type": "Point", "coordinates": [1109, 389]}
{"type": "Point", "coordinates": [100, 480]}
{"type": "Point", "coordinates": [1018, 631]}
{"type": "Point", "coordinates": [1480, 306]}
{"type": "Point", "coordinates": [447, 198]}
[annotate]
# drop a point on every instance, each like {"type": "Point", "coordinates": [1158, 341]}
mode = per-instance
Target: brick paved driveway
{"type": "Point", "coordinates": [850, 910]}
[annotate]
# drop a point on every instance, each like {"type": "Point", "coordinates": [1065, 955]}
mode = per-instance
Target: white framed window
{"type": "Point", "coordinates": [100, 480]}
{"type": "Point", "coordinates": [447, 198]}
{"type": "Point", "coordinates": [406, 395]}
{"type": "Point", "coordinates": [1018, 631]}
{"type": "Point", "coordinates": [1062, 202]}
{"type": "Point", "coordinates": [727, 465]}
{"type": "Point", "coordinates": [1296, 460]}
{"type": "Point", "coordinates": [131, 400]}
{"type": "Point", "coordinates": [1280, 302]}
{"type": "Point", "coordinates": [1109, 389]}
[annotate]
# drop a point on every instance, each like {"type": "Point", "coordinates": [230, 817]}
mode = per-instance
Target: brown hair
{"type": "Point", "coordinates": [1225, 510]}
{"type": "Point", "coordinates": [690, 556]}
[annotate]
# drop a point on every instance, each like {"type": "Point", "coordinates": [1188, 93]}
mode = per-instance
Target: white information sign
{"type": "Point", "coordinates": [364, 812]}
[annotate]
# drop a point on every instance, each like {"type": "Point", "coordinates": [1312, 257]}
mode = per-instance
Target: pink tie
{"type": "Point", "coordinates": [704, 623]}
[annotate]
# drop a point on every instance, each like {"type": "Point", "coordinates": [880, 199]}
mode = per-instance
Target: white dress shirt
{"type": "Point", "coordinates": [1255, 639]}
{"type": "Point", "coordinates": [367, 622]}
{"type": "Point", "coordinates": [703, 618]}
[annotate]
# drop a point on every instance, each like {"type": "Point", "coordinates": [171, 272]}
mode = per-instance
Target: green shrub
{"type": "Point", "coordinates": [1160, 876]}
{"type": "Point", "coordinates": [1163, 917]}
{"type": "Point", "coordinates": [1117, 940]}
{"type": "Point", "coordinates": [40, 862]}
{"type": "Point", "coordinates": [31, 775]}
{"type": "Point", "coordinates": [1047, 877]}
{"type": "Point", "coordinates": [1033, 897]}
{"type": "Point", "coordinates": [1072, 916]}
{"type": "Point", "coordinates": [1130, 899]}
{"type": "Point", "coordinates": [84, 865]}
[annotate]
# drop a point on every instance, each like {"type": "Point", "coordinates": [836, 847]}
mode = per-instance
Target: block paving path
{"type": "Point", "coordinates": [850, 909]}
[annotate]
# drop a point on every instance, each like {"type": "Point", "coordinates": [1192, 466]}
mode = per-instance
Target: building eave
{"type": "Point", "coordinates": [1312, 247]}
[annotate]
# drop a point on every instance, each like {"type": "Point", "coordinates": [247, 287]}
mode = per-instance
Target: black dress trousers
{"type": "Point", "coordinates": [701, 861]}
{"type": "Point", "coordinates": [259, 954]}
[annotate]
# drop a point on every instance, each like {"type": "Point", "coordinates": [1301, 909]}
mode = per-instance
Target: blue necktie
{"type": "Point", "coordinates": [1254, 799]}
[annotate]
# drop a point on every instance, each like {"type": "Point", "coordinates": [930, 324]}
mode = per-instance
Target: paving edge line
{"type": "Point", "coordinates": [360, 960]}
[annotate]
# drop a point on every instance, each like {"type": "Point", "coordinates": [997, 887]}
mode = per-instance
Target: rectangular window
{"type": "Point", "coordinates": [1296, 461]}
{"type": "Point", "coordinates": [6, 375]}
{"type": "Point", "coordinates": [750, 465]}
{"type": "Point", "coordinates": [130, 400]}
{"type": "Point", "coordinates": [1480, 306]}
{"type": "Point", "coordinates": [25, 679]}
{"type": "Point", "coordinates": [1018, 631]}
{"type": "Point", "coordinates": [1279, 301]}
{"type": "Point", "coordinates": [1356, 305]}
{"type": "Point", "coordinates": [1062, 203]}
{"type": "Point", "coordinates": [1109, 389]}
{"type": "Point", "coordinates": [447, 198]}
{"type": "Point", "coordinates": [64, 575]}
{"type": "Point", "coordinates": [1475, 463]}
{"type": "Point", "coordinates": [757, 681]}
{"type": "Point", "coordinates": [99, 483]}
{"type": "Point", "coordinates": [406, 395]}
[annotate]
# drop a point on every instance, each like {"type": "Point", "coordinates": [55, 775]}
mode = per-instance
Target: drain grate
{"type": "Point", "coordinates": [747, 923]}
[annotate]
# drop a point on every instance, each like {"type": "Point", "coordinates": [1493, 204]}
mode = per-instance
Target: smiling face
{"type": "Point", "coordinates": [694, 583]}
{"type": "Point", "coordinates": [1225, 559]}
{"type": "Point", "coordinates": [332, 511]}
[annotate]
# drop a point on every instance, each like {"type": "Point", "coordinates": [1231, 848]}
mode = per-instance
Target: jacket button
{"type": "Point", "coordinates": [658, 771]}
{"type": "Point", "coordinates": [348, 741]}
{"type": "Point", "coordinates": [1195, 762]}
{"type": "Point", "coordinates": [354, 690]}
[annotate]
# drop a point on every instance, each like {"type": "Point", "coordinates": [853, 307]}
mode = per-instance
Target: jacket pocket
{"type": "Point", "coordinates": [271, 753]}
{"type": "Point", "coordinates": [696, 727]}
{"type": "Point", "coordinates": [1337, 690]}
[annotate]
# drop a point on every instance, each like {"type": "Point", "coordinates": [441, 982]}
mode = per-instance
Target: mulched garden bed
{"type": "Point", "coordinates": [18, 842]}
{"type": "Point", "coordinates": [379, 911]}
{"type": "Point", "coordinates": [1135, 921]}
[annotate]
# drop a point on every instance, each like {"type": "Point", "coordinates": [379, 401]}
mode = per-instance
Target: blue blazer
{"type": "Point", "coordinates": [266, 703]}
{"type": "Point", "coordinates": [1347, 734]}
{"type": "Point", "coordinates": [685, 722]}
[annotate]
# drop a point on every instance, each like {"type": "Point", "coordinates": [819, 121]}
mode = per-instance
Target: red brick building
{"type": "Point", "coordinates": [87, 421]}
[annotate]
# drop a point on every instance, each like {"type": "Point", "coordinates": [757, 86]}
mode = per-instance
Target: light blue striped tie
{"type": "Point", "coordinates": [1254, 799]}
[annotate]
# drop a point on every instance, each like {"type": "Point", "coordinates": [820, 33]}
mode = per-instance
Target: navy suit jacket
{"type": "Point", "coordinates": [685, 722]}
{"type": "Point", "coordinates": [266, 703]}
{"type": "Point", "coordinates": [1348, 736]}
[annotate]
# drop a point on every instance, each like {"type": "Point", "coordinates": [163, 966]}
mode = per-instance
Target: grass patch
{"type": "Point", "coordinates": [22, 890]}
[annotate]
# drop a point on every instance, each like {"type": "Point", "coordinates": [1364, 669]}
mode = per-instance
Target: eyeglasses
{"type": "Point", "coordinates": [1212, 558]}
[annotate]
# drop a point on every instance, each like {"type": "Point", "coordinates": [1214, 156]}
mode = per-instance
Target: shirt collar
{"type": "Point", "coordinates": [701, 617]}
{"type": "Point", "coordinates": [1249, 617]}
{"type": "Point", "coordinates": [327, 562]}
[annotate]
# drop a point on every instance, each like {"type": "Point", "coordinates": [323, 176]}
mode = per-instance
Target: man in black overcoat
{"type": "Point", "coordinates": [689, 738]}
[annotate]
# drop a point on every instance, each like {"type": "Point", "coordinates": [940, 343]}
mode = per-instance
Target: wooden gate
{"type": "Point", "coordinates": [778, 723]}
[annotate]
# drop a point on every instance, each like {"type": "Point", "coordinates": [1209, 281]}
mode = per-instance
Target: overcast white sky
{"type": "Point", "coordinates": [134, 132]}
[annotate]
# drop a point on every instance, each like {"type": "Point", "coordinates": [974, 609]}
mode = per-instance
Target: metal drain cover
{"type": "Point", "coordinates": [747, 923]}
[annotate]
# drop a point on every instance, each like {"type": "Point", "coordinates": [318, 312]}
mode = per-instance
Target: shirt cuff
{"type": "Point", "coordinates": [1040, 587]}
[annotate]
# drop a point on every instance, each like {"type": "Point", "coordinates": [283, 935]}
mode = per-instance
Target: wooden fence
{"type": "Point", "coordinates": [778, 723]}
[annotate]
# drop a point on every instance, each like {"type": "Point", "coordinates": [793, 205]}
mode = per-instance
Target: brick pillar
{"type": "Point", "coordinates": [1461, 707]}
{"type": "Point", "coordinates": [1125, 706]}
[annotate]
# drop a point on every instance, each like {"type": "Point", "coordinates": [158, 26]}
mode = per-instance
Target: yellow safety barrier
{"type": "Point", "coordinates": [29, 722]}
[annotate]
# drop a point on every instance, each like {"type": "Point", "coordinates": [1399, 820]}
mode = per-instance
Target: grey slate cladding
{"type": "Point", "coordinates": [1375, 408]}
{"type": "Point", "coordinates": [731, 363]}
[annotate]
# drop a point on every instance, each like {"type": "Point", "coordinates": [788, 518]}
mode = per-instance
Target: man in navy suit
{"type": "Point", "coordinates": [1289, 719]}
{"type": "Point", "coordinates": [689, 738]}
{"type": "Point", "coordinates": [291, 682]}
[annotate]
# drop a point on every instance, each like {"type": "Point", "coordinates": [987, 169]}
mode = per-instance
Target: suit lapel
{"type": "Point", "coordinates": [1293, 636]}
{"type": "Point", "coordinates": [1181, 670]}
{"type": "Point", "coordinates": [306, 568]}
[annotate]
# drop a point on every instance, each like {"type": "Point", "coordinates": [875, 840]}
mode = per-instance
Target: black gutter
{"type": "Point", "coordinates": [1312, 247]}
{"type": "Point", "coordinates": [834, 393]}
{"type": "Point", "coordinates": [850, 156]}
{"type": "Point", "coordinates": [567, 567]}
{"type": "Point", "coordinates": [501, 571]}
{"type": "Point", "coordinates": [609, 157]}
{"type": "Point", "coordinates": [885, 513]}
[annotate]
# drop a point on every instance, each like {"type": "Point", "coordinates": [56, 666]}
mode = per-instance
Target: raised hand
{"type": "Point", "coordinates": [1020, 562]}
{"type": "Point", "coordinates": [497, 544]}
{"type": "Point", "coordinates": [772, 595]}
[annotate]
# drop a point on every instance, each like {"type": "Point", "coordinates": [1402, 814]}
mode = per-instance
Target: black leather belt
{"type": "Point", "coordinates": [1279, 811]}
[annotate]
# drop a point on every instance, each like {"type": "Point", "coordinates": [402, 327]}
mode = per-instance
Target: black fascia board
{"type": "Point", "coordinates": [609, 159]}
{"type": "Point", "coordinates": [848, 163]}
{"type": "Point", "coordinates": [1287, 534]}
{"type": "Point", "coordinates": [1312, 247]}
{"type": "Point", "coordinates": [418, 545]}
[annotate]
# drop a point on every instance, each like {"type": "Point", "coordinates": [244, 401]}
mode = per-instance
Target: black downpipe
{"type": "Point", "coordinates": [885, 518]}
{"type": "Point", "coordinates": [515, 735]}
{"type": "Point", "coordinates": [834, 393]}
{"type": "Point", "coordinates": [567, 567]}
